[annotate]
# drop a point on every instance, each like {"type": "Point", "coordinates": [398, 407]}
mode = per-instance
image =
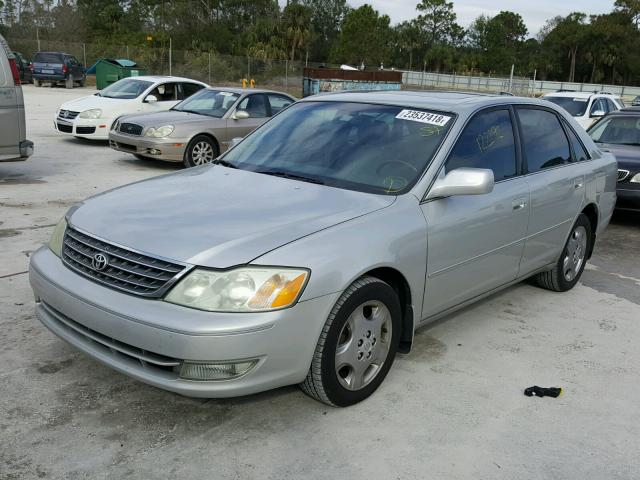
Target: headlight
{"type": "Point", "coordinates": [160, 132]}
{"type": "Point", "coordinates": [95, 113]}
{"type": "Point", "coordinates": [250, 289]}
{"type": "Point", "coordinates": [55, 243]}
{"type": "Point", "coordinates": [636, 178]}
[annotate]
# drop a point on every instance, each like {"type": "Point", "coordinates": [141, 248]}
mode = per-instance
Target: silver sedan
{"type": "Point", "coordinates": [198, 129]}
{"type": "Point", "coordinates": [311, 251]}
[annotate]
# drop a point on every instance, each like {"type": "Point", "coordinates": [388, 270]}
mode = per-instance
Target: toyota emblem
{"type": "Point", "coordinates": [100, 261]}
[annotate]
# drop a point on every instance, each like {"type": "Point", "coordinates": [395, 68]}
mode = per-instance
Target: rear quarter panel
{"type": "Point", "coordinates": [12, 121]}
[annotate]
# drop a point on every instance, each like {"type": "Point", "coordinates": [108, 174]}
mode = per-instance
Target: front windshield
{"type": "Point", "coordinates": [126, 88]}
{"type": "Point", "coordinates": [213, 103]}
{"type": "Point", "coordinates": [575, 106]}
{"type": "Point", "coordinates": [370, 148]}
{"type": "Point", "coordinates": [617, 130]}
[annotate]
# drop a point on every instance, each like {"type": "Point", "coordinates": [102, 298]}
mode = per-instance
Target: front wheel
{"type": "Point", "coordinates": [568, 270]}
{"type": "Point", "coordinates": [357, 345]}
{"type": "Point", "coordinates": [200, 151]}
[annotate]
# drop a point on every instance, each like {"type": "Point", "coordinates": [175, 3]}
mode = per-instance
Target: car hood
{"type": "Point", "coordinates": [216, 216]}
{"type": "Point", "coordinates": [172, 117]}
{"type": "Point", "coordinates": [628, 156]}
{"type": "Point", "coordinates": [94, 101]}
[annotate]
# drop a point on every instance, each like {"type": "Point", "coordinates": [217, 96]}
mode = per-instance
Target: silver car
{"type": "Point", "coordinates": [13, 142]}
{"type": "Point", "coordinates": [311, 251]}
{"type": "Point", "coordinates": [198, 129]}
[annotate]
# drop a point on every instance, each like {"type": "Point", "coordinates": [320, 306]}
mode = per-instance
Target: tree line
{"type": "Point", "coordinates": [596, 49]}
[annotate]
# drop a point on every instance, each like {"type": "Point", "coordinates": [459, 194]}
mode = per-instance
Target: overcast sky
{"type": "Point", "coordinates": [534, 12]}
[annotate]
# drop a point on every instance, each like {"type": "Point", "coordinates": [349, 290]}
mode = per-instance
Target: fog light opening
{"type": "Point", "coordinates": [215, 371]}
{"type": "Point", "coordinates": [154, 151]}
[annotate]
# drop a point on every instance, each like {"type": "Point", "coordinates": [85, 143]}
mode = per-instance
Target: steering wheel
{"type": "Point", "coordinates": [401, 162]}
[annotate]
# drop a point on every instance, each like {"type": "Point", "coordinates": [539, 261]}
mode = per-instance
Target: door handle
{"type": "Point", "coordinates": [519, 204]}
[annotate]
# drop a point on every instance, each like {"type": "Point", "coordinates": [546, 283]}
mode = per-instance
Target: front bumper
{"type": "Point", "coordinates": [168, 149]}
{"type": "Point", "coordinates": [96, 129]}
{"type": "Point", "coordinates": [628, 198]}
{"type": "Point", "coordinates": [136, 336]}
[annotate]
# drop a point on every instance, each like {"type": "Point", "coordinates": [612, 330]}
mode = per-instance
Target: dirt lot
{"type": "Point", "coordinates": [452, 409]}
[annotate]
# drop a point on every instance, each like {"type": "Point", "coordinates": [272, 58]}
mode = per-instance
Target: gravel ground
{"type": "Point", "coordinates": [451, 409]}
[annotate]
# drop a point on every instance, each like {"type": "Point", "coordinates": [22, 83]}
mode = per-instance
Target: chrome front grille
{"type": "Point", "coordinates": [67, 114]}
{"type": "Point", "coordinates": [622, 175]}
{"type": "Point", "coordinates": [118, 267]}
{"type": "Point", "coordinates": [130, 129]}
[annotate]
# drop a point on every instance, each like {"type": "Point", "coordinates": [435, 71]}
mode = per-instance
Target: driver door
{"type": "Point", "coordinates": [475, 242]}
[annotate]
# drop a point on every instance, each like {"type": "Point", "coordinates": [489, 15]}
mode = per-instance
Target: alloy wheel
{"type": "Point", "coordinates": [575, 253]}
{"type": "Point", "coordinates": [201, 153]}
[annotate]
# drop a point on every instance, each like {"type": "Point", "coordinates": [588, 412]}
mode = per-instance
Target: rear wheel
{"type": "Point", "coordinates": [200, 151]}
{"type": "Point", "coordinates": [357, 345]}
{"type": "Point", "coordinates": [569, 268]}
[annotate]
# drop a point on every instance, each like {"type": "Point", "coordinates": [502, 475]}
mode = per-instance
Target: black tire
{"type": "Point", "coordinates": [322, 382]}
{"type": "Point", "coordinates": [555, 279]}
{"type": "Point", "coordinates": [68, 83]}
{"type": "Point", "coordinates": [82, 82]}
{"type": "Point", "coordinates": [140, 157]}
{"type": "Point", "coordinates": [198, 142]}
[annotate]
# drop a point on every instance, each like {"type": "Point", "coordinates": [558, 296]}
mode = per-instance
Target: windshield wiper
{"type": "Point", "coordinates": [224, 163]}
{"type": "Point", "coordinates": [291, 176]}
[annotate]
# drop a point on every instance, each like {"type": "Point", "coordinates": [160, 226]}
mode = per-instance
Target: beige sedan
{"type": "Point", "coordinates": [198, 129]}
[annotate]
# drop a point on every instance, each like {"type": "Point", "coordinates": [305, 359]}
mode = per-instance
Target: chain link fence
{"type": "Point", "coordinates": [209, 67]}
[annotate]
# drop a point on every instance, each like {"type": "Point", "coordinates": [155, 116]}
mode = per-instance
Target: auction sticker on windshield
{"type": "Point", "coordinates": [424, 117]}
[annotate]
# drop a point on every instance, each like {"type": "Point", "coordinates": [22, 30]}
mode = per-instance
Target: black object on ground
{"type": "Point", "coordinates": [543, 392]}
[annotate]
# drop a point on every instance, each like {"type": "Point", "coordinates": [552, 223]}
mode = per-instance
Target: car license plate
{"type": "Point", "coordinates": [47, 71]}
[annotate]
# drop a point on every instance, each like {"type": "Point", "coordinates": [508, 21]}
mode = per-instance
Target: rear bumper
{"type": "Point", "coordinates": [628, 199]}
{"type": "Point", "coordinates": [135, 336]}
{"type": "Point", "coordinates": [168, 149]}
{"type": "Point", "coordinates": [47, 77]}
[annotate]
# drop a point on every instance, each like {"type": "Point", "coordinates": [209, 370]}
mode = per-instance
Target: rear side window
{"type": "Point", "coordinates": [189, 89]}
{"type": "Point", "coordinates": [579, 152]}
{"type": "Point", "coordinates": [544, 142]}
{"type": "Point", "coordinates": [486, 142]}
{"type": "Point", "coordinates": [43, 57]}
{"type": "Point", "coordinates": [278, 103]}
{"type": "Point", "coordinates": [612, 106]}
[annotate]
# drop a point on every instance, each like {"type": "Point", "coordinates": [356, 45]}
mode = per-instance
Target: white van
{"type": "Point", "coordinates": [13, 142]}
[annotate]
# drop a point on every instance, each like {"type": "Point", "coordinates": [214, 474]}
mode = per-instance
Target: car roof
{"type": "Point", "coordinates": [241, 90]}
{"type": "Point", "coordinates": [579, 94]}
{"type": "Point", "coordinates": [158, 78]}
{"type": "Point", "coordinates": [430, 100]}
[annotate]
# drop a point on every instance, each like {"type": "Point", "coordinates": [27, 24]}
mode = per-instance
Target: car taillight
{"type": "Point", "coordinates": [65, 69]}
{"type": "Point", "coordinates": [14, 71]}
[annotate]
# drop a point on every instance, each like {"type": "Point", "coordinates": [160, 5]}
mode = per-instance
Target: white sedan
{"type": "Point", "coordinates": [91, 117]}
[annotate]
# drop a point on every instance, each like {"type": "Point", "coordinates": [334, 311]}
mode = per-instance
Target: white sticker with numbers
{"type": "Point", "coordinates": [424, 117]}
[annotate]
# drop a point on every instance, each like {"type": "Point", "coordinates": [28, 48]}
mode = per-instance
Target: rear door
{"type": "Point", "coordinates": [475, 242]}
{"type": "Point", "coordinates": [557, 185]}
{"type": "Point", "coordinates": [12, 122]}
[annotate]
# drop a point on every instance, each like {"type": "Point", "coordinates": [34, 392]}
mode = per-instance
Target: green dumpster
{"type": "Point", "coordinates": [108, 71]}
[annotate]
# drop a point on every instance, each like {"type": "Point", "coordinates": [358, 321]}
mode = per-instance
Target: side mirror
{"type": "Point", "coordinates": [598, 114]}
{"type": "Point", "coordinates": [234, 142]}
{"type": "Point", "coordinates": [463, 181]}
{"type": "Point", "coordinates": [241, 115]}
{"type": "Point", "coordinates": [151, 99]}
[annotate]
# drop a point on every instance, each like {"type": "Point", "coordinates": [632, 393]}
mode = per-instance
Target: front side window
{"type": "Point", "coordinates": [369, 148]}
{"type": "Point", "coordinates": [255, 106]}
{"type": "Point", "coordinates": [617, 130]}
{"type": "Point", "coordinates": [166, 92]}
{"type": "Point", "coordinates": [544, 142]}
{"type": "Point", "coordinates": [213, 103]}
{"type": "Point", "coordinates": [125, 89]}
{"type": "Point", "coordinates": [486, 142]}
{"type": "Point", "coordinates": [576, 107]}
